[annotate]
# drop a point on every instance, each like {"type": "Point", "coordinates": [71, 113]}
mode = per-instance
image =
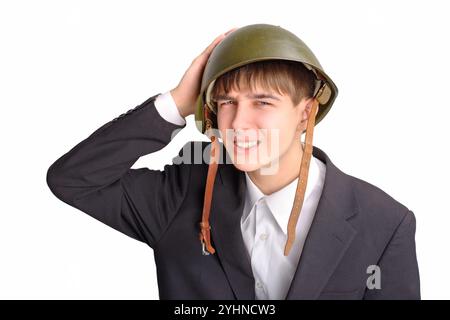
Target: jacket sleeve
{"type": "Point", "coordinates": [398, 265]}
{"type": "Point", "coordinates": [96, 178]}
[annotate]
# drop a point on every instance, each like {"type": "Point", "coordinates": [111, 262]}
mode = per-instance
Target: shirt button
{"type": "Point", "coordinates": [263, 236]}
{"type": "Point", "coordinates": [259, 285]}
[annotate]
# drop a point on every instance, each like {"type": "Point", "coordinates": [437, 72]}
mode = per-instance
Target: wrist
{"type": "Point", "coordinates": [178, 102]}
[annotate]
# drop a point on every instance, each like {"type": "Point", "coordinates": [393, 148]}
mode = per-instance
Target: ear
{"type": "Point", "coordinates": [308, 108]}
{"type": "Point", "coordinates": [306, 113]}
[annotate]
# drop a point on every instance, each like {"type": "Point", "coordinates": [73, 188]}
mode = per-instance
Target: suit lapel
{"type": "Point", "coordinates": [330, 234]}
{"type": "Point", "coordinates": [325, 245]}
{"type": "Point", "coordinates": [226, 211]}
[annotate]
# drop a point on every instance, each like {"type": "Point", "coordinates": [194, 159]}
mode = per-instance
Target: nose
{"type": "Point", "coordinates": [242, 116]}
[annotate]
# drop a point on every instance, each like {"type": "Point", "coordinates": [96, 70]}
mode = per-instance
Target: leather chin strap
{"type": "Point", "coordinates": [302, 179]}
{"type": "Point", "coordinates": [205, 228]}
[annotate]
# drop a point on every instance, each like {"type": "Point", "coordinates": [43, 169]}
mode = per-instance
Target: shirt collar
{"type": "Point", "coordinates": [280, 202]}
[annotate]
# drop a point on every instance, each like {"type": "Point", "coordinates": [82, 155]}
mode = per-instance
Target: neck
{"type": "Point", "coordinates": [286, 170]}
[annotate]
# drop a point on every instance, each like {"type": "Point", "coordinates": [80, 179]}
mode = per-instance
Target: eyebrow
{"type": "Point", "coordinates": [252, 96]}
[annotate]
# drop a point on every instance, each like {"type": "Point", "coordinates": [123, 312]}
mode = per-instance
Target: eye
{"type": "Point", "coordinates": [226, 103]}
{"type": "Point", "coordinates": [264, 103]}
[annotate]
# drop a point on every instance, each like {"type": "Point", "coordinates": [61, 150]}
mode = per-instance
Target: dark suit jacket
{"type": "Point", "coordinates": [356, 224]}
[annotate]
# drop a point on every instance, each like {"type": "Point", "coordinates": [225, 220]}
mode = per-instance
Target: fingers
{"type": "Point", "coordinates": [231, 30]}
{"type": "Point", "coordinates": [216, 41]}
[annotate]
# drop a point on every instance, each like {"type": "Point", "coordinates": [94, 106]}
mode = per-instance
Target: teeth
{"type": "Point", "coordinates": [246, 145]}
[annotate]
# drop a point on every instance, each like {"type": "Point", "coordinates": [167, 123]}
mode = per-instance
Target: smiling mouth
{"type": "Point", "coordinates": [246, 144]}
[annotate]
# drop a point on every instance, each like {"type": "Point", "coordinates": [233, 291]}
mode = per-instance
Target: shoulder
{"type": "Point", "coordinates": [371, 196]}
{"type": "Point", "coordinates": [379, 212]}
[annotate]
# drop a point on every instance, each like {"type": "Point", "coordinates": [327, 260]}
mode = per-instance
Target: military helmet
{"type": "Point", "coordinates": [259, 42]}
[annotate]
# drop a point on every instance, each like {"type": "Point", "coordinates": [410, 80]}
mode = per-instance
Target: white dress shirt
{"type": "Point", "coordinates": [264, 229]}
{"type": "Point", "coordinates": [265, 218]}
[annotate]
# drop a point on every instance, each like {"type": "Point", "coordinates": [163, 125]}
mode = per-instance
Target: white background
{"type": "Point", "coordinates": [68, 67]}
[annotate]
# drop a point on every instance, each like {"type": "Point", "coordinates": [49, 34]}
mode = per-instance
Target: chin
{"type": "Point", "coordinates": [247, 167]}
{"type": "Point", "coordinates": [269, 168]}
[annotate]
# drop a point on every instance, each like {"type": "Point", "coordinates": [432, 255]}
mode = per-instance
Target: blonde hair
{"type": "Point", "coordinates": [285, 77]}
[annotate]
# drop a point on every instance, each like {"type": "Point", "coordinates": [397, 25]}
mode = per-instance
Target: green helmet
{"type": "Point", "coordinates": [254, 43]}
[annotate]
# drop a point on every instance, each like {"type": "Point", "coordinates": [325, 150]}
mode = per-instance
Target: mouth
{"type": "Point", "coordinates": [246, 145]}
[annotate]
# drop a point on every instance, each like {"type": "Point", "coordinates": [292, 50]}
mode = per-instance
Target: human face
{"type": "Point", "coordinates": [260, 128]}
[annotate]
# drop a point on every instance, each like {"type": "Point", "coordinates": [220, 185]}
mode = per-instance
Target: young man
{"type": "Point", "coordinates": [267, 217]}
